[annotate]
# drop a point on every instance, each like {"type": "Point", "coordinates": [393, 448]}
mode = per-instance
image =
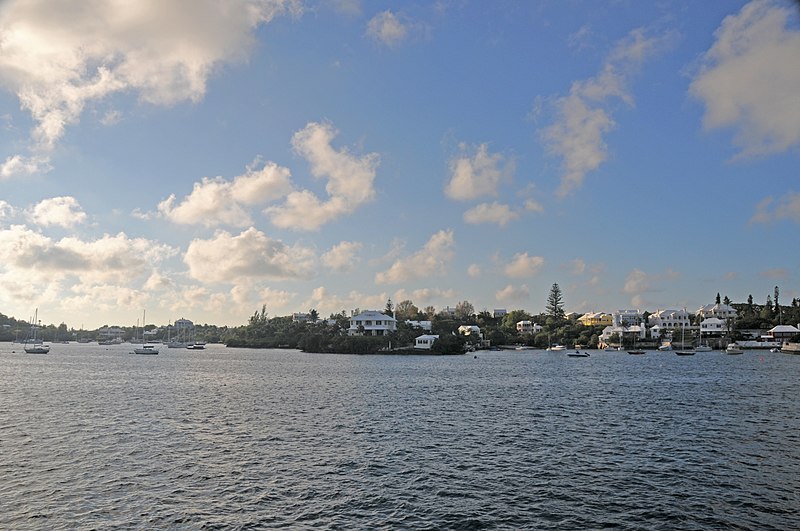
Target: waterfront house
{"type": "Point", "coordinates": [528, 327]}
{"type": "Point", "coordinates": [468, 330]}
{"type": "Point", "coordinates": [596, 319]}
{"type": "Point", "coordinates": [720, 311]}
{"type": "Point", "coordinates": [713, 327]}
{"type": "Point", "coordinates": [781, 333]}
{"type": "Point", "coordinates": [670, 319]}
{"type": "Point", "coordinates": [626, 318]}
{"type": "Point", "coordinates": [371, 323]}
{"type": "Point", "coordinates": [425, 341]}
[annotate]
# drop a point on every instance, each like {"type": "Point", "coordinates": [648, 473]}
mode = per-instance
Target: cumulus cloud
{"type": "Point", "coordinates": [387, 28]}
{"type": "Point", "coordinates": [584, 116]}
{"type": "Point", "coordinates": [638, 283]}
{"type": "Point", "coordinates": [226, 258]}
{"type": "Point", "coordinates": [17, 165]}
{"type": "Point", "coordinates": [749, 79]}
{"type": "Point", "coordinates": [58, 57]}
{"type": "Point", "coordinates": [350, 181]}
{"type": "Point", "coordinates": [474, 270]}
{"type": "Point", "coordinates": [215, 202]}
{"type": "Point", "coordinates": [105, 259]}
{"type": "Point", "coordinates": [60, 211]}
{"type": "Point", "coordinates": [477, 175]}
{"type": "Point", "coordinates": [770, 209]}
{"type": "Point", "coordinates": [497, 213]}
{"type": "Point", "coordinates": [6, 210]}
{"type": "Point", "coordinates": [342, 257]}
{"type": "Point", "coordinates": [431, 260]}
{"type": "Point", "coordinates": [513, 294]}
{"type": "Point", "coordinates": [522, 265]}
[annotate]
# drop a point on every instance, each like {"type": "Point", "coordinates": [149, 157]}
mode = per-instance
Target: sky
{"type": "Point", "coordinates": [201, 158]}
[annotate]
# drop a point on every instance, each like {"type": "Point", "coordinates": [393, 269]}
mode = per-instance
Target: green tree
{"type": "Point", "coordinates": [555, 303]}
{"type": "Point", "coordinates": [717, 299]}
{"type": "Point", "coordinates": [406, 310]}
{"type": "Point", "coordinates": [465, 310]}
{"type": "Point", "coordinates": [389, 310]}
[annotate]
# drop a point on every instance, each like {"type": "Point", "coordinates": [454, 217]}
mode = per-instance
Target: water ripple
{"type": "Point", "coordinates": [95, 438]}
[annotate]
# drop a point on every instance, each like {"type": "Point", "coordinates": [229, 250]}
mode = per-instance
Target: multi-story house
{"type": "Point", "coordinates": [596, 319]}
{"type": "Point", "coordinates": [528, 327]}
{"type": "Point", "coordinates": [670, 319]}
{"type": "Point", "coordinates": [720, 311]}
{"type": "Point", "coordinates": [371, 323]}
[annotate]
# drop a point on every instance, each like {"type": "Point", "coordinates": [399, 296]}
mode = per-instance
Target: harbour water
{"type": "Point", "coordinates": [93, 437]}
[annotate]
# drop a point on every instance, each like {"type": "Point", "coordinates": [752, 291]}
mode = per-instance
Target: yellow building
{"type": "Point", "coordinates": [596, 319]}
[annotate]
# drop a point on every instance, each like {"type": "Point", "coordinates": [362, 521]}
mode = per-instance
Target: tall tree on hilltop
{"type": "Point", "coordinates": [717, 301]}
{"type": "Point", "coordinates": [389, 310]}
{"type": "Point", "coordinates": [726, 301]}
{"type": "Point", "coordinates": [777, 306]}
{"type": "Point", "coordinates": [465, 310]}
{"type": "Point", "coordinates": [555, 302]}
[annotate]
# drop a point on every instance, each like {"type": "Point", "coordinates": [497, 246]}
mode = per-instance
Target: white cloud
{"type": "Point", "coordinates": [638, 283]}
{"type": "Point", "coordinates": [583, 116]}
{"type": "Point", "coordinates": [749, 79]}
{"type": "Point", "coordinates": [57, 57]}
{"type": "Point", "coordinates": [495, 212]}
{"type": "Point", "coordinates": [531, 205]}
{"type": "Point", "coordinates": [431, 260]}
{"type": "Point", "coordinates": [522, 266]}
{"type": "Point", "coordinates": [326, 302]}
{"type": "Point", "coordinates": [110, 258]}
{"type": "Point", "coordinates": [387, 28]}
{"type": "Point", "coordinates": [226, 258]}
{"type": "Point", "coordinates": [19, 165]}
{"type": "Point", "coordinates": [215, 202]}
{"type": "Point", "coordinates": [786, 207]}
{"type": "Point", "coordinates": [60, 211]}
{"type": "Point", "coordinates": [474, 270]}
{"type": "Point", "coordinates": [578, 266]}
{"type": "Point", "coordinates": [478, 175]}
{"type": "Point", "coordinates": [6, 210]}
{"type": "Point", "coordinates": [342, 257]}
{"type": "Point", "coordinates": [513, 294]}
{"type": "Point", "coordinates": [350, 181]}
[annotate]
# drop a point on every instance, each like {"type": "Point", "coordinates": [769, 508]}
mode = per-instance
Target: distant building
{"type": "Point", "coordinates": [720, 311]}
{"type": "Point", "coordinates": [371, 323]}
{"type": "Point", "coordinates": [499, 312]}
{"type": "Point", "coordinates": [713, 327]}
{"type": "Point", "coordinates": [596, 319]}
{"type": "Point", "coordinates": [300, 317]}
{"type": "Point", "coordinates": [626, 317]}
{"type": "Point", "coordinates": [424, 325]}
{"type": "Point", "coordinates": [447, 311]}
{"type": "Point", "coordinates": [468, 330]}
{"type": "Point", "coordinates": [528, 327]}
{"type": "Point", "coordinates": [782, 333]}
{"type": "Point", "coordinates": [670, 319]}
{"type": "Point", "coordinates": [425, 341]}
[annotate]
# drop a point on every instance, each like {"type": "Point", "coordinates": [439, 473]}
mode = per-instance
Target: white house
{"type": "Point", "coordinates": [673, 319]}
{"type": "Point", "coordinates": [626, 317]}
{"type": "Point", "coordinates": [425, 341]}
{"type": "Point", "coordinates": [371, 323]}
{"type": "Point", "coordinates": [468, 330]}
{"type": "Point", "coordinates": [713, 326]}
{"type": "Point", "coordinates": [499, 312]}
{"type": "Point", "coordinates": [782, 333]}
{"type": "Point", "coordinates": [720, 311]}
{"type": "Point", "coordinates": [528, 327]}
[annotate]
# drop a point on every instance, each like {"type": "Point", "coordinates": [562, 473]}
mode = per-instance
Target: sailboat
{"type": "Point", "coordinates": [683, 351]}
{"type": "Point", "coordinates": [635, 351]}
{"type": "Point", "coordinates": [702, 347]}
{"type": "Point", "coordinates": [145, 348]}
{"type": "Point", "coordinates": [33, 343]}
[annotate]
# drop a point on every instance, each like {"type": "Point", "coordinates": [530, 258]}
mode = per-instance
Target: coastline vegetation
{"type": "Point", "coordinates": [331, 335]}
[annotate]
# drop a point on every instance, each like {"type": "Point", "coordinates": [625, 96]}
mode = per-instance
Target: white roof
{"type": "Point", "coordinates": [372, 315]}
{"type": "Point", "coordinates": [785, 329]}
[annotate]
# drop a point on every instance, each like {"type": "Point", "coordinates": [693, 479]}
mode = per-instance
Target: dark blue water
{"type": "Point", "coordinates": [94, 438]}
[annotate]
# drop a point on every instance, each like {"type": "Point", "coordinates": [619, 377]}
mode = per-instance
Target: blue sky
{"type": "Point", "coordinates": [199, 158]}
